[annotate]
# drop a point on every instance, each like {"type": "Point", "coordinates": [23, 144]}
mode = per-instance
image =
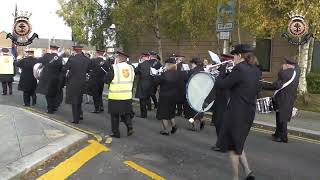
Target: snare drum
{"type": "Point", "coordinates": [264, 105]}
{"type": "Point", "coordinates": [198, 88]}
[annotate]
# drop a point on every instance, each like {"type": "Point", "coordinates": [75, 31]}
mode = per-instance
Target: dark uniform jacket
{"type": "Point", "coordinates": [243, 84]}
{"type": "Point", "coordinates": [182, 86]}
{"type": "Point", "coordinates": [76, 68]}
{"type": "Point", "coordinates": [50, 77]}
{"type": "Point", "coordinates": [168, 93]}
{"type": "Point", "coordinates": [27, 81]}
{"type": "Point", "coordinates": [145, 80]}
{"type": "Point", "coordinates": [7, 77]}
{"type": "Point", "coordinates": [284, 99]}
{"type": "Point", "coordinates": [95, 84]}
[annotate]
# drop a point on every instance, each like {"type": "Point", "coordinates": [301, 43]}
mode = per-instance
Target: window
{"type": "Point", "coordinates": [263, 53]}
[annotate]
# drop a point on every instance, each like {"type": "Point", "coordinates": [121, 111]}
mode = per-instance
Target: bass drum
{"type": "Point", "coordinates": [37, 70]}
{"type": "Point", "coordinates": [198, 88]}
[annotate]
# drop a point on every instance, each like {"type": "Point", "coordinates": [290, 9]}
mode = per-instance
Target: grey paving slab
{"type": "Point", "coordinates": [28, 140]}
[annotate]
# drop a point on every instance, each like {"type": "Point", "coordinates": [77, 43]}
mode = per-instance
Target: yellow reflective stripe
{"type": "Point", "coordinates": [120, 91]}
{"type": "Point", "coordinates": [122, 82]}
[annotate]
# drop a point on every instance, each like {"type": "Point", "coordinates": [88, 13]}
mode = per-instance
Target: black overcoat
{"type": "Point", "coordinates": [243, 84]}
{"type": "Point", "coordinates": [77, 67]}
{"type": "Point", "coordinates": [50, 77]}
{"type": "Point", "coordinates": [145, 80]}
{"type": "Point", "coordinates": [95, 84]}
{"type": "Point", "coordinates": [168, 93]}
{"type": "Point", "coordinates": [188, 111]}
{"type": "Point", "coordinates": [27, 81]}
{"type": "Point", "coordinates": [181, 98]}
{"type": "Point", "coordinates": [285, 98]}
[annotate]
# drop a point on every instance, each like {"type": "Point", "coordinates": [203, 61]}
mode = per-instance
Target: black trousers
{"type": "Point", "coordinates": [97, 99]}
{"type": "Point", "coordinates": [27, 95]}
{"type": "Point", "coordinates": [59, 98]}
{"type": "Point", "coordinates": [51, 103]}
{"type": "Point", "coordinates": [77, 112]}
{"type": "Point", "coordinates": [5, 86]}
{"type": "Point", "coordinates": [126, 118]}
{"type": "Point", "coordinates": [179, 108]}
{"type": "Point", "coordinates": [143, 106]}
{"type": "Point", "coordinates": [281, 127]}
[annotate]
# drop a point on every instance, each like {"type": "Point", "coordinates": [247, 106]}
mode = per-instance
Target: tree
{"type": "Point", "coordinates": [268, 18]}
{"type": "Point", "coordinates": [88, 19]}
{"type": "Point", "coordinates": [174, 19]}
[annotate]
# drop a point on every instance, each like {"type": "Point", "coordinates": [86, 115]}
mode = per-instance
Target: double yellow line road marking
{"type": "Point", "coordinates": [71, 165]}
{"type": "Point", "coordinates": [74, 163]}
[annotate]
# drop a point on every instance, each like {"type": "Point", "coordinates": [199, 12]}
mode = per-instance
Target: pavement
{"type": "Point", "coordinates": [182, 156]}
{"type": "Point", "coordinates": [28, 140]}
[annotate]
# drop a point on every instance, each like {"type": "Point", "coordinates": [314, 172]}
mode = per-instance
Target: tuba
{"type": "Point", "coordinates": [37, 70]}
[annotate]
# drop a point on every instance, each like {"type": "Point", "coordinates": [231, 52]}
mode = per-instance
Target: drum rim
{"type": "Point", "coordinates": [210, 75]}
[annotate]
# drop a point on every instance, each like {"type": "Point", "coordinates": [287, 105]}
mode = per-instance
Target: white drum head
{"type": "Point", "coordinates": [198, 88]}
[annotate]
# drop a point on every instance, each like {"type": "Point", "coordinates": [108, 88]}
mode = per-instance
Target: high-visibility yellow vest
{"type": "Point", "coordinates": [121, 86]}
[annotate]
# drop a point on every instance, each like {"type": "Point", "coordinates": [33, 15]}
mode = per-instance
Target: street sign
{"type": "Point", "coordinates": [224, 35]}
{"type": "Point", "coordinates": [225, 16]}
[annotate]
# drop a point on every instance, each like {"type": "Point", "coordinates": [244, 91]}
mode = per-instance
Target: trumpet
{"type": "Point", "coordinates": [213, 69]}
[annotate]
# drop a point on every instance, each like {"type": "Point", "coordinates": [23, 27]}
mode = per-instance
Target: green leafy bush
{"type": "Point", "coordinates": [313, 80]}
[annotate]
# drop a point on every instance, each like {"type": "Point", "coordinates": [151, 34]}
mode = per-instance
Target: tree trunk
{"type": "Point", "coordinates": [239, 33]}
{"type": "Point", "coordinates": [310, 56]}
{"type": "Point", "coordinates": [303, 64]}
{"type": "Point", "coordinates": [157, 31]}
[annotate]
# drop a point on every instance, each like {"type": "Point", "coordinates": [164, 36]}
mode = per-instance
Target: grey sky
{"type": "Point", "coordinates": [45, 22]}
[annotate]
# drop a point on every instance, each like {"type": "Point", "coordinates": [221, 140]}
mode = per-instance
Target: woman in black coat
{"type": "Point", "coordinates": [168, 93]}
{"type": "Point", "coordinates": [27, 83]}
{"type": "Point", "coordinates": [243, 84]}
{"type": "Point", "coordinates": [197, 66]}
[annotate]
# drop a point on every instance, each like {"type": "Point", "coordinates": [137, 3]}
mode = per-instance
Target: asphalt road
{"type": "Point", "coordinates": [184, 155]}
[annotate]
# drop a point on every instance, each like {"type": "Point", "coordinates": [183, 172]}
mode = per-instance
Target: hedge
{"type": "Point", "coordinates": [313, 82]}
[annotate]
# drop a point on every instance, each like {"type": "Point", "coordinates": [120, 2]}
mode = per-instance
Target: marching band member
{"type": "Point", "coordinates": [27, 82]}
{"type": "Point", "coordinates": [96, 84]}
{"type": "Point", "coordinates": [243, 84]}
{"type": "Point", "coordinates": [284, 98]}
{"type": "Point", "coordinates": [155, 60]}
{"type": "Point", "coordinates": [168, 94]}
{"type": "Point", "coordinates": [196, 66]}
{"type": "Point", "coordinates": [49, 81]}
{"type": "Point", "coordinates": [77, 67]}
{"type": "Point", "coordinates": [120, 76]}
{"type": "Point", "coordinates": [145, 83]}
{"type": "Point", "coordinates": [5, 77]}
{"type": "Point", "coordinates": [220, 97]}
{"type": "Point", "coordinates": [182, 96]}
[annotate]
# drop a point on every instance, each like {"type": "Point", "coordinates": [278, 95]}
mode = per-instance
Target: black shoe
{"type": "Point", "coordinates": [280, 140]}
{"type": "Point", "coordinates": [95, 111]}
{"type": "Point", "coordinates": [50, 111]}
{"type": "Point", "coordinates": [75, 122]}
{"type": "Point", "coordinates": [115, 135]}
{"type": "Point", "coordinates": [4, 94]}
{"type": "Point", "coordinates": [130, 132]}
{"type": "Point", "coordinates": [10, 93]}
{"type": "Point", "coordinates": [174, 129]}
{"type": "Point", "coordinates": [274, 135]}
{"type": "Point", "coordinates": [215, 148]}
{"type": "Point", "coordinates": [250, 176]}
{"type": "Point", "coordinates": [101, 109]}
{"type": "Point", "coordinates": [27, 105]}
{"type": "Point", "coordinates": [201, 125]}
{"type": "Point", "coordinates": [143, 117]}
{"type": "Point", "coordinates": [164, 133]}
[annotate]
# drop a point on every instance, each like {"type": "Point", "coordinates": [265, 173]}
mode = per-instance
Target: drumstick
{"type": "Point", "coordinates": [265, 81]}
